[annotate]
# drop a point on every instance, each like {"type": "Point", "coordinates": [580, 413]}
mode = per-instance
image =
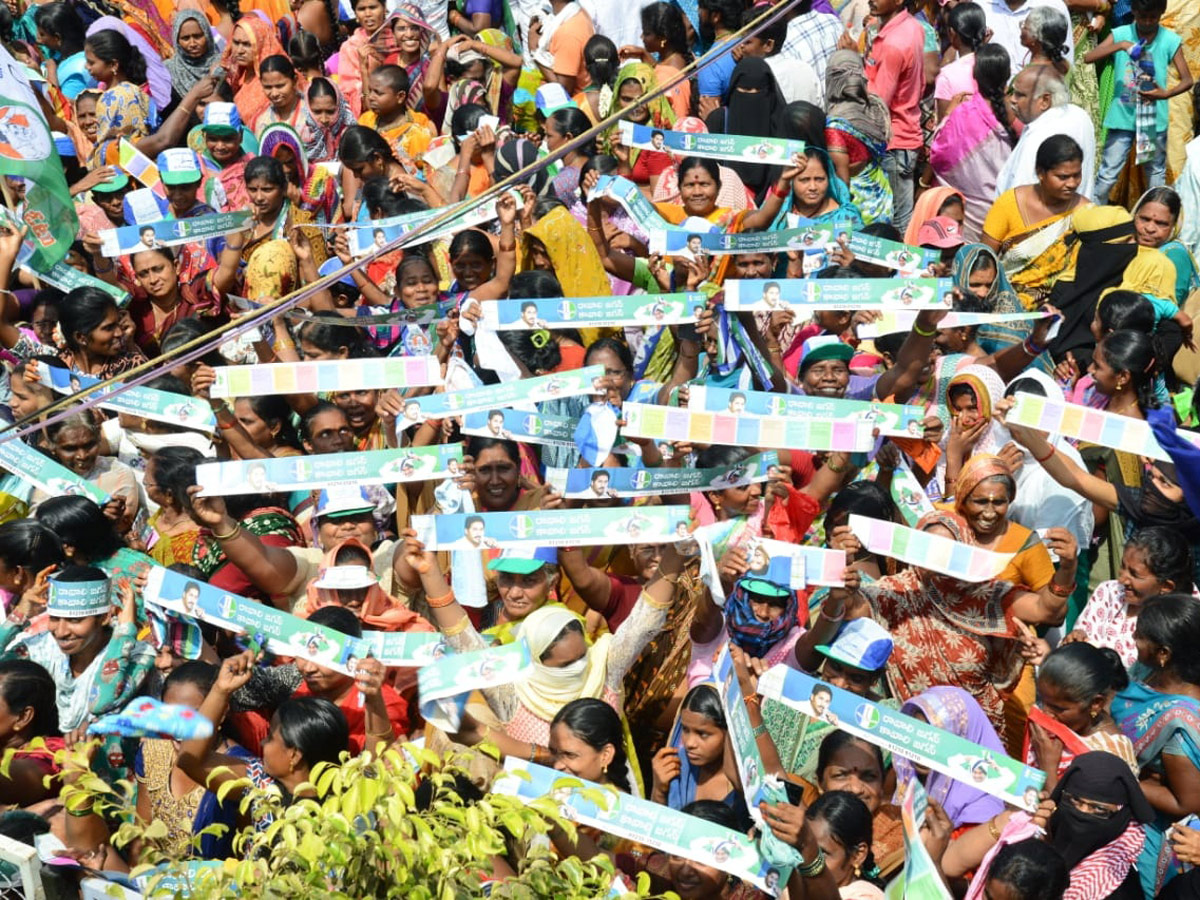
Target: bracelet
{"type": "Point", "coordinates": [233, 532]}
{"type": "Point", "coordinates": [993, 829]}
{"type": "Point", "coordinates": [814, 868]}
{"type": "Point", "coordinates": [509, 249]}
{"type": "Point", "coordinates": [782, 195]}
{"type": "Point", "coordinates": [826, 617]}
{"type": "Point", "coordinates": [440, 602]}
{"type": "Point", "coordinates": [1031, 348]}
{"type": "Point", "coordinates": [1047, 456]}
{"type": "Point", "coordinates": [773, 348]}
{"type": "Point", "coordinates": [1059, 590]}
{"type": "Point", "coordinates": [833, 467]}
{"type": "Point", "coordinates": [186, 110]}
{"type": "Point", "coordinates": [457, 628]}
{"type": "Point", "coordinates": [80, 813]}
{"type": "Point", "coordinates": [753, 698]}
{"type": "Point", "coordinates": [533, 751]}
{"type": "Point", "coordinates": [225, 426]}
{"type": "Point", "coordinates": [759, 730]}
{"type": "Point", "coordinates": [924, 334]}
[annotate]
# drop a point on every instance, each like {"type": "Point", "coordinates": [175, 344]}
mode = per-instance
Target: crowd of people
{"type": "Point", "coordinates": [1038, 156]}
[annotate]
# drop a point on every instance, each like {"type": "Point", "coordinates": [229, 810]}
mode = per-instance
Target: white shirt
{"type": "Point", "coordinates": [621, 23]}
{"type": "Point", "coordinates": [1068, 119]}
{"type": "Point", "coordinates": [1006, 28]}
{"type": "Point", "coordinates": [797, 80]}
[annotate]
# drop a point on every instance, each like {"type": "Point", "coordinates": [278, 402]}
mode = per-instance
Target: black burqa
{"type": "Point", "coordinates": [1099, 265]}
{"type": "Point", "coordinates": [754, 107]}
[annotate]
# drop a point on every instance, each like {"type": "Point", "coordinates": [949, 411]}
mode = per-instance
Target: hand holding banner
{"type": "Point", "coordinates": [929, 551]}
{"type": "Point", "coordinates": [890, 418]}
{"type": "Point", "coordinates": [553, 528]}
{"type": "Point", "coordinates": [924, 744]}
{"type": "Point", "coordinates": [692, 426]}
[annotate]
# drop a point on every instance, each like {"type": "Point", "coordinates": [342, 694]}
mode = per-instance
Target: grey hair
{"type": "Point", "coordinates": [1048, 82]}
{"type": "Point", "coordinates": [1049, 28]}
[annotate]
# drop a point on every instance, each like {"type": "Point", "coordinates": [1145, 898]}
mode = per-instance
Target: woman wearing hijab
{"type": "Point", "coordinates": [195, 53]}
{"type": "Point", "coordinates": [754, 107]}
{"type": "Point", "coordinates": [956, 711]}
{"type": "Point", "coordinates": [857, 130]}
{"type": "Point", "coordinates": [946, 631]}
{"type": "Point", "coordinates": [254, 39]}
{"type": "Point", "coordinates": [516, 155]}
{"type": "Point", "coordinates": [1097, 827]}
{"type": "Point", "coordinates": [564, 668]}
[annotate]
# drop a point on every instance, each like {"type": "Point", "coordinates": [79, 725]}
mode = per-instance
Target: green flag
{"type": "Point", "coordinates": [27, 151]}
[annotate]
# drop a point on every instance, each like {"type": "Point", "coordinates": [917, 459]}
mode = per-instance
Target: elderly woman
{"type": "Point", "coordinates": [946, 631]}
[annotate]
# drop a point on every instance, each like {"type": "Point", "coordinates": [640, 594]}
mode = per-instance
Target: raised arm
{"type": "Point", "coordinates": [1059, 466]}
{"type": "Point", "coordinates": [196, 758]}
{"type": "Point", "coordinates": [270, 569]}
{"type": "Point", "coordinates": [646, 619]}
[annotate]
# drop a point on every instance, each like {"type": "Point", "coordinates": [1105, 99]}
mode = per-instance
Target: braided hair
{"type": "Point", "coordinates": [992, 71]}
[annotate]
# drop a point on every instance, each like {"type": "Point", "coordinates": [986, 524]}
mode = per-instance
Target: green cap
{"type": "Point", "coordinates": [523, 562]}
{"type": "Point", "coordinates": [111, 187]}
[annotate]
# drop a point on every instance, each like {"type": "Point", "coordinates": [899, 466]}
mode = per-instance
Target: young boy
{"type": "Point", "coordinates": [1143, 50]}
{"type": "Point", "coordinates": [407, 131]}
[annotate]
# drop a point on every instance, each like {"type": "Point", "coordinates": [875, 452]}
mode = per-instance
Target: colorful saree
{"type": "Point", "coordinates": [1158, 724]}
{"type": "Point", "coordinates": [967, 153]}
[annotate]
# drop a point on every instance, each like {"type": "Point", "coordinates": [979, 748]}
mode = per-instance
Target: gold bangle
{"type": "Point", "coordinates": [233, 532]}
{"type": "Point", "coordinates": [993, 830]}
{"type": "Point", "coordinates": [457, 628]}
{"type": "Point", "coordinates": [651, 602]}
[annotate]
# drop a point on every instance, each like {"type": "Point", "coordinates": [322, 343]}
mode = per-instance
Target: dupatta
{"type": "Point", "coordinates": [248, 95]}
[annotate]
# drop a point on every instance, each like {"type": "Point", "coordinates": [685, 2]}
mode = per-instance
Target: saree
{"type": "Point", "coordinates": [411, 13]}
{"type": "Point", "coordinates": [1157, 724]}
{"type": "Point", "coordinates": [248, 94]}
{"type": "Point", "coordinates": [318, 189]}
{"type": "Point", "coordinates": [952, 709]}
{"type": "Point", "coordinates": [870, 190]}
{"type": "Point", "coordinates": [127, 108]}
{"type": "Point", "coordinates": [967, 153]}
{"type": "Point", "coordinates": [270, 524]}
{"type": "Point", "coordinates": [574, 259]}
{"type": "Point", "coordinates": [948, 632]}
{"type": "Point", "coordinates": [662, 115]}
{"type": "Point", "coordinates": [1034, 259]}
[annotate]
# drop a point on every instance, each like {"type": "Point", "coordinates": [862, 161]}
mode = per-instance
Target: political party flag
{"type": "Point", "coordinates": [27, 151]}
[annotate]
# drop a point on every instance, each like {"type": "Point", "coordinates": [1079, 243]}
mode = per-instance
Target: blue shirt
{"type": "Point", "coordinates": [1123, 108]}
{"type": "Point", "coordinates": [714, 80]}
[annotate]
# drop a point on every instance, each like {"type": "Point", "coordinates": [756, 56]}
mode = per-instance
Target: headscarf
{"type": "Point", "coordinates": [927, 207]}
{"type": "Point", "coordinates": [1101, 242]}
{"type": "Point", "coordinates": [380, 612]}
{"type": "Point", "coordinates": [515, 155]}
{"type": "Point", "coordinates": [158, 79]}
{"type": "Point", "coordinates": [546, 690]}
{"type": "Point", "coordinates": [954, 710]}
{"type": "Point", "coordinates": [747, 632]}
{"type": "Point", "coordinates": [1001, 298]}
{"type": "Point", "coordinates": [1098, 852]}
{"type": "Point", "coordinates": [978, 469]}
{"type": "Point", "coordinates": [1150, 273]}
{"type": "Point", "coordinates": [661, 112]}
{"type": "Point", "coordinates": [187, 70]}
{"type": "Point", "coordinates": [494, 80]}
{"type": "Point", "coordinates": [278, 135]}
{"type": "Point", "coordinates": [847, 96]}
{"type": "Point", "coordinates": [462, 92]}
{"type": "Point", "coordinates": [411, 13]}
{"type": "Point", "coordinates": [248, 94]}
{"type": "Point", "coordinates": [326, 139]}
{"type": "Point", "coordinates": [572, 253]}
{"type": "Point", "coordinates": [758, 114]}
{"type": "Point", "coordinates": [1173, 238]}
{"type": "Point", "coordinates": [988, 390]}
{"type": "Point", "coordinates": [271, 271]}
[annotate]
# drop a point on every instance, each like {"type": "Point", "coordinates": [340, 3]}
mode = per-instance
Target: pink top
{"type": "Point", "coordinates": [704, 656]}
{"type": "Point", "coordinates": [895, 68]}
{"type": "Point", "coordinates": [956, 78]}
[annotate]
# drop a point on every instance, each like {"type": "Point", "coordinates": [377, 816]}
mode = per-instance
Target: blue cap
{"type": "Point", "coordinates": [330, 266]}
{"type": "Point", "coordinates": [861, 644]}
{"type": "Point", "coordinates": [775, 582]}
{"type": "Point", "coordinates": [222, 118]}
{"type": "Point", "coordinates": [63, 144]}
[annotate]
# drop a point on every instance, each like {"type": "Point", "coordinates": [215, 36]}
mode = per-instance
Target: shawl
{"type": "Point", "coordinates": [208, 556]}
{"type": "Point", "coordinates": [572, 254]}
{"type": "Point", "coordinates": [1150, 273]}
{"type": "Point", "coordinates": [988, 390]}
{"type": "Point", "coordinates": [380, 612]}
{"type": "Point", "coordinates": [248, 94]}
{"type": "Point", "coordinates": [325, 139]}
{"type": "Point", "coordinates": [516, 155]}
{"type": "Point", "coordinates": [967, 153]}
{"type": "Point", "coordinates": [158, 79]}
{"type": "Point", "coordinates": [462, 92]}
{"type": "Point", "coordinates": [1001, 298]}
{"type": "Point", "coordinates": [747, 632]}
{"type": "Point", "coordinates": [953, 709]}
{"type": "Point", "coordinates": [387, 48]}
{"type": "Point", "coordinates": [546, 690]}
{"type": "Point", "coordinates": [318, 189]}
{"type": "Point", "coordinates": [926, 208]}
{"type": "Point", "coordinates": [187, 70]}
{"type": "Point", "coordinates": [493, 81]}
{"type": "Point", "coordinates": [848, 97]}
